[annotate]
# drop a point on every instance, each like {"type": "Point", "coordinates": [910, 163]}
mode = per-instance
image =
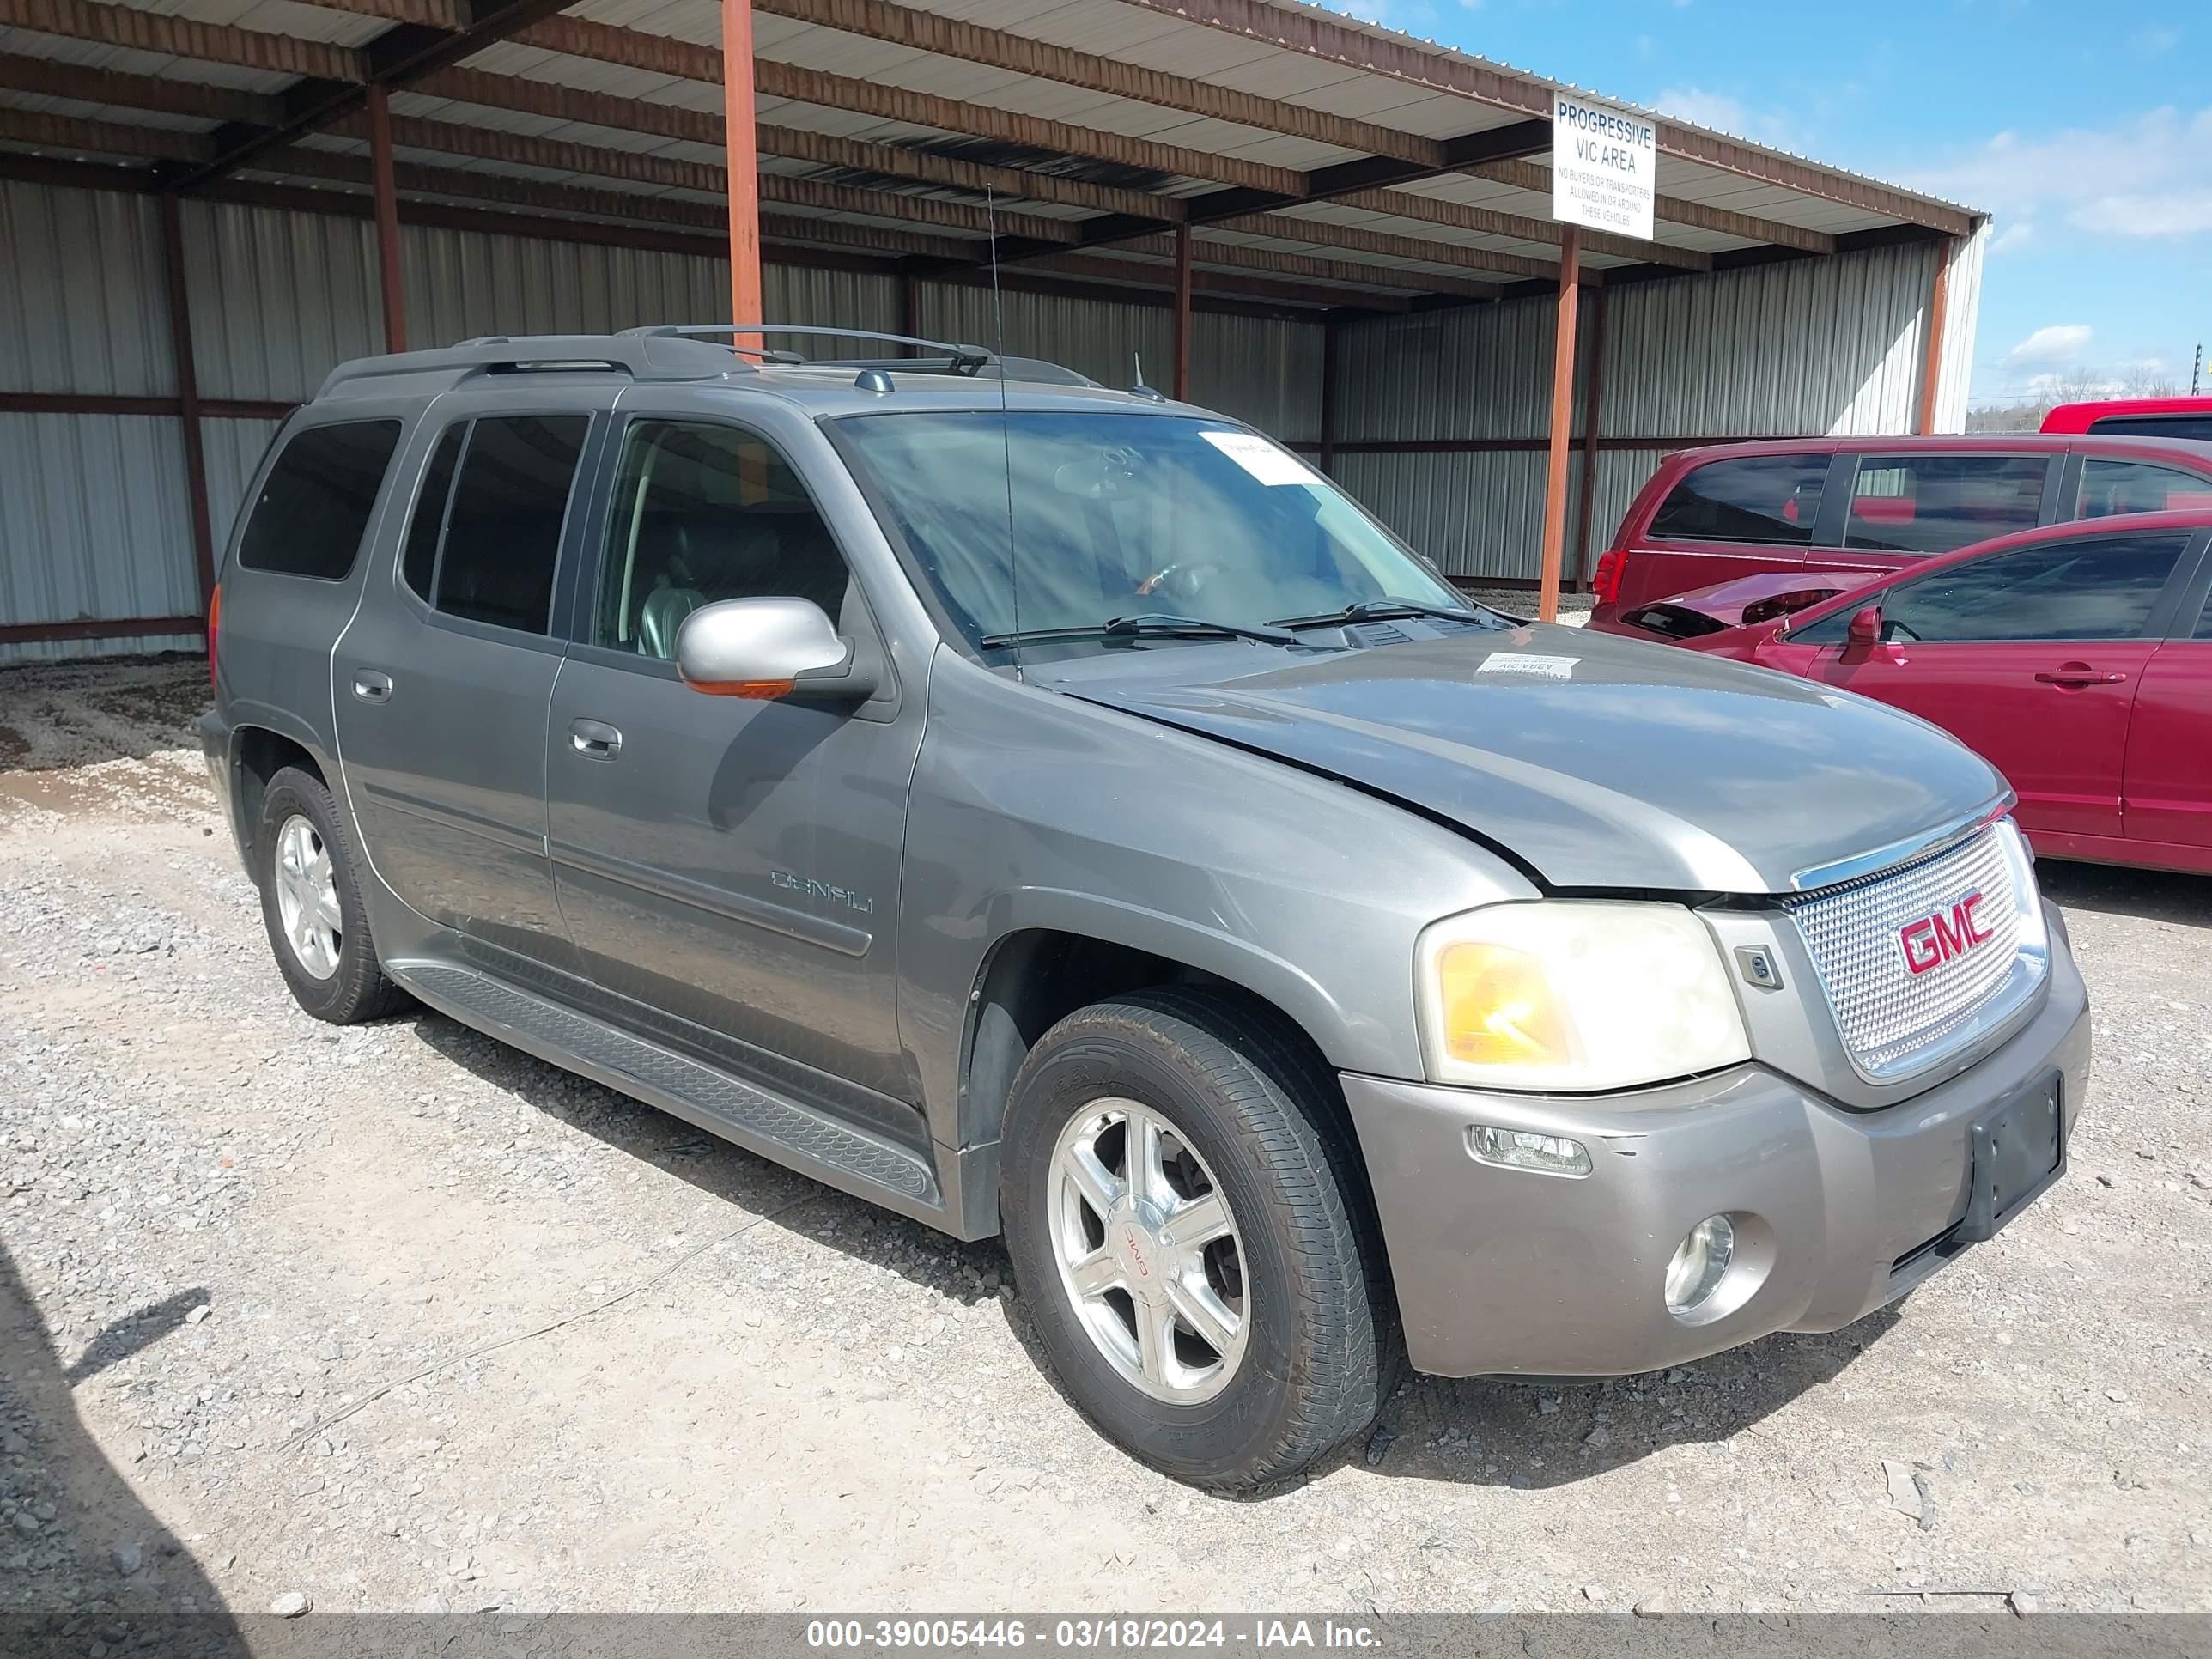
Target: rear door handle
{"type": "Point", "coordinates": [595, 739]}
{"type": "Point", "coordinates": [2071, 675]}
{"type": "Point", "coordinates": [370, 686]}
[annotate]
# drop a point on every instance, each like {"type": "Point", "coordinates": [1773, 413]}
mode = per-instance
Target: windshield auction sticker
{"type": "Point", "coordinates": [1530, 662]}
{"type": "Point", "coordinates": [1269, 465]}
{"type": "Point", "coordinates": [1604, 167]}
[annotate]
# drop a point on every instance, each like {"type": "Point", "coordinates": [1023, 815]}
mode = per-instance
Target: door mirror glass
{"type": "Point", "coordinates": [766, 649]}
{"type": "Point", "coordinates": [1866, 625]}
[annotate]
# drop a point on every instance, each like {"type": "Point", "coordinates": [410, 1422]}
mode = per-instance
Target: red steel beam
{"type": "Point", "coordinates": [1563, 409]}
{"type": "Point", "coordinates": [1182, 279]}
{"type": "Point", "coordinates": [387, 193]}
{"type": "Point", "coordinates": [746, 304]}
{"type": "Point", "coordinates": [188, 393]}
{"type": "Point", "coordinates": [1931, 367]}
{"type": "Point", "coordinates": [1593, 401]}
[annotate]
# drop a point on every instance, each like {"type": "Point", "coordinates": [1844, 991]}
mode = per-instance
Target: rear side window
{"type": "Point", "coordinates": [494, 563]}
{"type": "Point", "coordinates": [314, 505]}
{"type": "Point", "coordinates": [419, 564]}
{"type": "Point", "coordinates": [2111, 487]}
{"type": "Point", "coordinates": [1937, 503]}
{"type": "Point", "coordinates": [2156, 426]}
{"type": "Point", "coordinates": [2100, 588]}
{"type": "Point", "coordinates": [1754, 498]}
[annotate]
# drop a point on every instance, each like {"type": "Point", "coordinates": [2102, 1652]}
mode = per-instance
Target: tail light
{"type": "Point", "coordinates": [1606, 582]}
{"type": "Point", "coordinates": [214, 625]}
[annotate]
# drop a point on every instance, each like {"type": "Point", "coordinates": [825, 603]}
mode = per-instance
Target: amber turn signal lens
{"type": "Point", "coordinates": [761, 690]}
{"type": "Point", "coordinates": [1499, 1008]}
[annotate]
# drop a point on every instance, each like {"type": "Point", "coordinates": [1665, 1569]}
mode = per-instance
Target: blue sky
{"type": "Point", "coordinates": [2086, 129]}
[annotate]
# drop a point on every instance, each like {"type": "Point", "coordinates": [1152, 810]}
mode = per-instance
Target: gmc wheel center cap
{"type": "Point", "coordinates": [1132, 1239]}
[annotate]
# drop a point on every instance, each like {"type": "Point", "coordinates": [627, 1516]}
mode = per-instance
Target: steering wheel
{"type": "Point", "coordinates": [1183, 581]}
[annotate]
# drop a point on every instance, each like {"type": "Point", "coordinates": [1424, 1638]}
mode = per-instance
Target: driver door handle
{"type": "Point", "coordinates": [2077, 673]}
{"type": "Point", "coordinates": [595, 739]}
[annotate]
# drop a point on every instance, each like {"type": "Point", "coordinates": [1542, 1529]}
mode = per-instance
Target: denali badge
{"type": "Point", "coordinates": [1934, 940]}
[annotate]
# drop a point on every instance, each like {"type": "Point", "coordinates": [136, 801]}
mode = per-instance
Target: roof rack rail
{"type": "Point", "coordinates": [641, 358]}
{"type": "Point", "coordinates": [1013, 369]}
{"type": "Point", "coordinates": [967, 358]}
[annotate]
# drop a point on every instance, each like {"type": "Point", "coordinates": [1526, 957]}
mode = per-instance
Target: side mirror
{"type": "Point", "coordinates": [1866, 626]}
{"type": "Point", "coordinates": [768, 648]}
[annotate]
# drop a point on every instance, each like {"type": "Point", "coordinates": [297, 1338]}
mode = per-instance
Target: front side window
{"type": "Point", "coordinates": [704, 513]}
{"type": "Point", "coordinates": [2109, 488]}
{"type": "Point", "coordinates": [1094, 516]}
{"type": "Point", "coordinates": [314, 505]}
{"type": "Point", "coordinates": [1751, 498]}
{"type": "Point", "coordinates": [501, 538]}
{"type": "Point", "coordinates": [2096, 588]}
{"type": "Point", "coordinates": [1938, 503]}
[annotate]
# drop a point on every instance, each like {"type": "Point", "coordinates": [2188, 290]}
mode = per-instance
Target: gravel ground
{"type": "Point", "coordinates": [395, 1318]}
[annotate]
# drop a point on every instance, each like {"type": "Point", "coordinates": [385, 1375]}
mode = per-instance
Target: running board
{"type": "Point", "coordinates": [752, 1117]}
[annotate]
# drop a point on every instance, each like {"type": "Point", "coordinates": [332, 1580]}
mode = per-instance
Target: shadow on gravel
{"type": "Point", "coordinates": [73, 1521]}
{"type": "Point", "coordinates": [1469, 1431]}
{"type": "Point", "coordinates": [724, 1171]}
{"type": "Point", "coordinates": [59, 715]}
{"type": "Point", "coordinates": [2152, 895]}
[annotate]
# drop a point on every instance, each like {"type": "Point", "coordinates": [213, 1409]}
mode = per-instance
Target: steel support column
{"type": "Point", "coordinates": [387, 219]}
{"type": "Point", "coordinates": [1563, 411]}
{"type": "Point", "coordinates": [188, 393]}
{"type": "Point", "coordinates": [1931, 368]}
{"type": "Point", "coordinates": [1182, 313]}
{"type": "Point", "coordinates": [746, 305]}
{"type": "Point", "coordinates": [1329, 330]}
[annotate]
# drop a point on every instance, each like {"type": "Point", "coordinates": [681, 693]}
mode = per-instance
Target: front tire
{"type": "Point", "coordinates": [1189, 1229]}
{"type": "Point", "coordinates": [312, 907]}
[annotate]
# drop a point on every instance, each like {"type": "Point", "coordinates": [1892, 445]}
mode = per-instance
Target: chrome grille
{"type": "Point", "coordinates": [1894, 1020]}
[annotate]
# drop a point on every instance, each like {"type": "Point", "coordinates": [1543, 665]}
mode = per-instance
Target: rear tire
{"type": "Point", "coordinates": [1245, 1114]}
{"type": "Point", "coordinates": [311, 904]}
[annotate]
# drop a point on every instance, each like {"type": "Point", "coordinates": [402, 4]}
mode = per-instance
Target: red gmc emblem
{"type": "Point", "coordinates": [1934, 940]}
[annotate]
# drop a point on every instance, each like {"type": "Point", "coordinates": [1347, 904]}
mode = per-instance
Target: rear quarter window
{"type": "Point", "coordinates": [1928, 503]}
{"type": "Point", "coordinates": [1749, 498]}
{"type": "Point", "coordinates": [313, 507]}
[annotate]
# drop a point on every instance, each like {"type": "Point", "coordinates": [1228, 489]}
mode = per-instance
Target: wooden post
{"type": "Point", "coordinates": [1593, 395]}
{"type": "Point", "coordinates": [1563, 412]}
{"type": "Point", "coordinates": [1329, 328]}
{"type": "Point", "coordinates": [1182, 313]}
{"type": "Point", "coordinates": [1931, 370]}
{"type": "Point", "coordinates": [910, 307]}
{"type": "Point", "coordinates": [387, 219]}
{"type": "Point", "coordinates": [188, 391]}
{"type": "Point", "coordinates": [744, 157]}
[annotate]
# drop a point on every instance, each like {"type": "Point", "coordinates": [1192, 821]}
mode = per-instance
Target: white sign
{"type": "Point", "coordinates": [1604, 167]}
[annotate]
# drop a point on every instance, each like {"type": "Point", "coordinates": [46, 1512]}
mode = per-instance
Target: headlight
{"type": "Point", "coordinates": [1575, 994]}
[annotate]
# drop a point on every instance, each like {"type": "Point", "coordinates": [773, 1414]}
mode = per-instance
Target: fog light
{"type": "Point", "coordinates": [1517, 1149]}
{"type": "Point", "coordinates": [1701, 1262]}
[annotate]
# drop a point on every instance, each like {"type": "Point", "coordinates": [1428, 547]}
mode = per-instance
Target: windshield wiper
{"type": "Point", "coordinates": [1151, 625]}
{"type": "Point", "coordinates": [1385, 610]}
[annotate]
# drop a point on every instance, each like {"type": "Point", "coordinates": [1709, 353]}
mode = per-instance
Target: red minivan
{"type": "Point", "coordinates": [2076, 659]}
{"type": "Point", "coordinates": [1876, 505]}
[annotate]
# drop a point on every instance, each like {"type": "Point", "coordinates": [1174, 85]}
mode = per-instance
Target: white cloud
{"type": "Point", "coordinates": [1717, 110]}
{"type": "Point", "coordinates": [2144, 177]}
{"type": "Point", "coordinates": [2054, 342]}
{"type": "Point", "coordinates": [2154, 42]}
{"type": "Point", "coordinates": [2013, 238]}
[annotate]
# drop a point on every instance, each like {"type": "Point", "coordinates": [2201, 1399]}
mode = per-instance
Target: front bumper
{"type": "Point", "coordinates": [1504, 1272]}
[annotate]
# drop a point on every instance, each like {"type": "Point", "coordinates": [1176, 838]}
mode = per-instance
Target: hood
{"type": "Point", "coordinates": [1597, 761]}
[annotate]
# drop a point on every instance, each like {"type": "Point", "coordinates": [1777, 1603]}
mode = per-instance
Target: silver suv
{"type": "Point", "coordinates": [1060, 813]}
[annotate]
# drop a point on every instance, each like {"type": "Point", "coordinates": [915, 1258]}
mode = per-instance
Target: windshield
{"type": "Point", "coordinates": [1120, 515]}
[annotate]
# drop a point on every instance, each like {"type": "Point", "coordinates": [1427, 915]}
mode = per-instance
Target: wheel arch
{"type": "Point", "coordinates": [259, 750]}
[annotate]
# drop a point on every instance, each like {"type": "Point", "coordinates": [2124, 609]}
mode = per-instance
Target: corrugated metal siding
{"type": "Point", "coordinates": [1806, 346]}
{"type": "Point", "coordinates": [1470, 512]}
{"type": "Point", "coordinates": [1260, 369]}
{"type": "Point", "coordinates": [94, 522]}
{"type": "Point", "coordinates": [1480, 372]}
{"type": "Point", "coordinates": [84, 309]}
{"type": "Point", "coordinates": [1097, 337]}
{"type": "Point", "coordinates": [234, 449]}
{"type": "Point", "coordinates": [1962, 319]}
{"type": "Point", "coordinates": [277, 298]}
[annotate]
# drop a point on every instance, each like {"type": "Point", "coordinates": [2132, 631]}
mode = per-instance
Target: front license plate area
{"type": "Point", "coordinates": [2014, 1151]}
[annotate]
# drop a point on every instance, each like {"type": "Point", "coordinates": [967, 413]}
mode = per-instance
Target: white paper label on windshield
{"type": "Point", "coordinates": [1548, 668]}
{"type": "Point", "coordinates": [1269, 465]}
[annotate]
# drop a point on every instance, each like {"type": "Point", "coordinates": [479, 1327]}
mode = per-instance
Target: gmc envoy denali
{"type": "Point", "coordinates": [1058, 812]}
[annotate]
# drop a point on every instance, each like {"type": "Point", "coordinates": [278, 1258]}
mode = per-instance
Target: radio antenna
{"type": "Point", "coordinates": [1005, 426]}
